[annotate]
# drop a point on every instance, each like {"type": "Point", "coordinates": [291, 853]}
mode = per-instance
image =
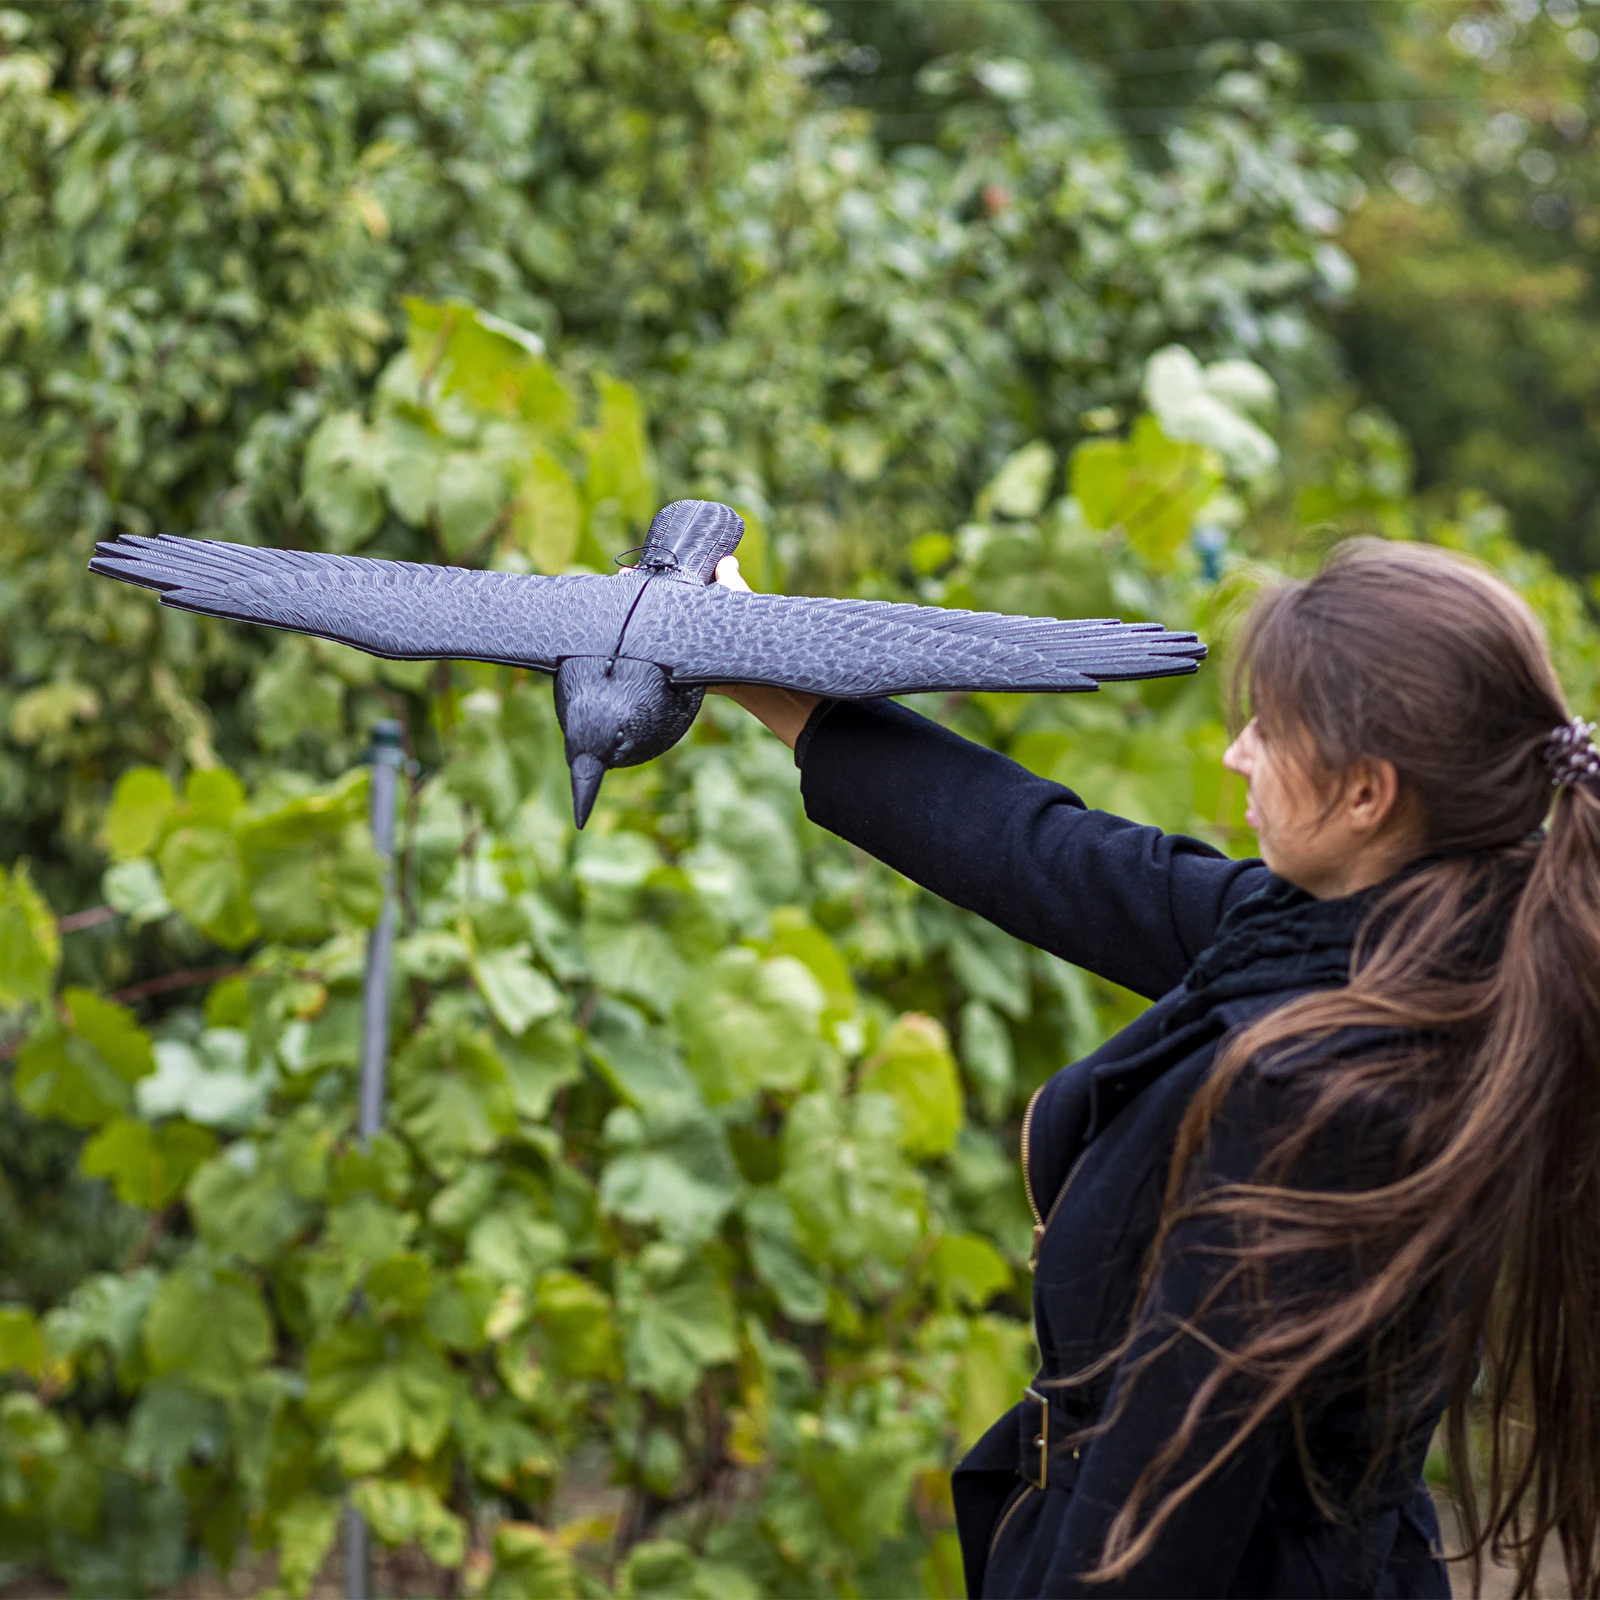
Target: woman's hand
{"type": "Point", "coordinates": [784, 711]}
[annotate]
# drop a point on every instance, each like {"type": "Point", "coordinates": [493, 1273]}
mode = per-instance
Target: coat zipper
{"type": "Point", "coordinates": [994, 1542]}
{"type": "Point", "coordinates": [1041, 1223]}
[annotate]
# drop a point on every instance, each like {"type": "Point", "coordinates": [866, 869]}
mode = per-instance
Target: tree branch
{"type": "Point", "coordinates": [168, 981]}
{"type": "Point", "coordinates": [76, 921]}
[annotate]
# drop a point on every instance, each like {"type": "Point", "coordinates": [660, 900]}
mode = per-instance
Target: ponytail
{"type": "Point", "coordinates": [1541, 1355]}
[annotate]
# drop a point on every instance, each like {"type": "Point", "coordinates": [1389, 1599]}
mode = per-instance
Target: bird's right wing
{"type": "Point", "coordinates": [856, 649]}
{"type": "Point", "coordinates": [399, 609]}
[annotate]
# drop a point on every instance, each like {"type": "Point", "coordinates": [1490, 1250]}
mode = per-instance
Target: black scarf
{"type": "Point", "coordinates": [1279, 939]}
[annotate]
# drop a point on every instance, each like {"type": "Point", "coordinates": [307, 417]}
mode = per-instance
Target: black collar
{"type": "Point", "coordinates": [1278, 939]}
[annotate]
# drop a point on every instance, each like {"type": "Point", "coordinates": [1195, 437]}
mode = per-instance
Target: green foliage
{"type": "Point", "coordinates": [680, 1164]}
{"type": "Point", "coordinates": [1109, 64]}
{"type": "Point", "coordinates": [474, 443]}
{"type": "Point", "coordinates": [1148, 485]}
{"type": "Point", "coordinates": [655, 208]}
{"type": "Point", "coordinates": [487, 1287]}
{"type": "Point", "coordinates": [681, 1170]}
{"type": "Point", "coordinates": [21, 1347]}
{"type": "Point", "coordinates": [30, 947]}
{"type": "Point", "coordinates": [915, 1069]}
{"type": "Point", "coordinates": [148, 1166]}
{"type": "Point", "coordinates": [698, 1168]}
{"type": "Point", "coordinates": [80, 1066]}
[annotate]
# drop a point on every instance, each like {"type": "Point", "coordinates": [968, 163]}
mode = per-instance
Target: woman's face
{"type": "Point", "coordinates": [1331, 836]}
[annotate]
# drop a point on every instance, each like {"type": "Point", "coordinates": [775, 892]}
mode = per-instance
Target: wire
{"type": "Point", "coordinates": [1177, 57]}
{"type": "Point", "coordinates": [1134, 2]}
{"type": "Point", "coordinates": [1319, 107]}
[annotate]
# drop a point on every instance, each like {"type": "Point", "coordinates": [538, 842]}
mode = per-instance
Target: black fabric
{"type": "Point", "coordinates": [802, 741]}
{"type": "Point", "coordinates": [1277, 940]}
{"type": "Point", "coordinates": [1129, 902]}
{"type": "Point", "coordinates": [1216, 943]}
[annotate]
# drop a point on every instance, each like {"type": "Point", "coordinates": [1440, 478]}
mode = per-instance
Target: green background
{"type": "Point", "coordinates": [695, 1249]}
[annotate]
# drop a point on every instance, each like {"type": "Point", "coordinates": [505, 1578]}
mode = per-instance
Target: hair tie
{"type": "Point", "coordinates": [1571, 754]}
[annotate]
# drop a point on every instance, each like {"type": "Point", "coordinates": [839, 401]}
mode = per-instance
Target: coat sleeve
{"type": "Point", "coordinates": [1199, 1550]}
{"type": "Point", "coordinates": [1128, 902]}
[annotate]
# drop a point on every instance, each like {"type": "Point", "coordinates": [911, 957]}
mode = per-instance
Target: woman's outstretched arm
{"type": "Point", "coordinates": [1128, 902]}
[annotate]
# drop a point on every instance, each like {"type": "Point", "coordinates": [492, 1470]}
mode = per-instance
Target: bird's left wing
{"type": "Point", "coordinates": [856, 649]}
{"type": "Point", "coordinates": [399, 609]}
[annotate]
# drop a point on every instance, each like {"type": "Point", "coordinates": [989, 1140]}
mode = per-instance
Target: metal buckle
{"type": "Point", "coordinates": [1042, 1442]}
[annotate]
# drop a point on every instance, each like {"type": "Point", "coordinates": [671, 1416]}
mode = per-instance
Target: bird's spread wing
{"type": "Point", "coordinates": [389, 608]}
{"type": "Point", "coordinates": [854, 649]}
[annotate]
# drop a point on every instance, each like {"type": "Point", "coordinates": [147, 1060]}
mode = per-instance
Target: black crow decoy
{"type": "Point", "coordinates": [632, 653]}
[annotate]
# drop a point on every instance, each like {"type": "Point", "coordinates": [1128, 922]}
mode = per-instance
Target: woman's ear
{"type": "Point", "coordinates": [1372, 794]}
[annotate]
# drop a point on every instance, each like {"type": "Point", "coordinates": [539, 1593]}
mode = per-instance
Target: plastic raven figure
{"type": "Point", "coordinates": [632, 654]}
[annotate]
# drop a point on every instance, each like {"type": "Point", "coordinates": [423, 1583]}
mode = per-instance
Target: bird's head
{"type": "Point", "coordinates": [616, 712]}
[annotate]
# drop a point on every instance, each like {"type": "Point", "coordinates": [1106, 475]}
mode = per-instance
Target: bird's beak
{"type": "Point", "coordinates": [587, 771]}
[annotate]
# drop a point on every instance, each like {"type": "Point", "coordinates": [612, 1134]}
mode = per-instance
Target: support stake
{"type": "Point", "coordinates": [387, 758]}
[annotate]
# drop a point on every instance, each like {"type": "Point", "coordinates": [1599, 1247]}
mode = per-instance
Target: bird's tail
{"type": "Point", "coordinates": [688, 539]}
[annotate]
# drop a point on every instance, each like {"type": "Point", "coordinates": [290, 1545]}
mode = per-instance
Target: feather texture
{"type": "Point", "coordinates": [857, 649]}
{"type": "Point", "coordinates": [399, 609]}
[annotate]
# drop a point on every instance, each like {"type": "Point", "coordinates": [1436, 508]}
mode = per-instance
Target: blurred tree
{"type": "Point", "coordinates": [1155, 60]}
{"type": "Point", "coordinates": [214, 209]}
{"type": "Point", "coordinates": [1471, 323]}
{"type": "Point", "coordinates": [882, 48]}
{"type": "Point", "coordinates": [1140, 67]}
{"type": "Point", "coordinates": [1475, 324]}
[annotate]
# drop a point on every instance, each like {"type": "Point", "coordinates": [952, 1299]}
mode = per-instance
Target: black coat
{"type": "Point", "coordinates": [1141, 908]}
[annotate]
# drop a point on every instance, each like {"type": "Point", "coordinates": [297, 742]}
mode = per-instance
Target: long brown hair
{"type": "Point", "coordinates": [1480, 973]}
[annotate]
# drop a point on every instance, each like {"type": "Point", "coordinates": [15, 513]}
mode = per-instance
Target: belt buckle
{"type": "Point", "coordinates": [1042, 1442]}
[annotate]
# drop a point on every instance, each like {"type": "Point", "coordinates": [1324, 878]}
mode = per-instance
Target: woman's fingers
{"type": "Point", "coordinates": [729, 575]}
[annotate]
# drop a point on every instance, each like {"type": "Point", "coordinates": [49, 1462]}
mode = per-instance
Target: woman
{"type": "Point", "coordinates": [1345, 1171]}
